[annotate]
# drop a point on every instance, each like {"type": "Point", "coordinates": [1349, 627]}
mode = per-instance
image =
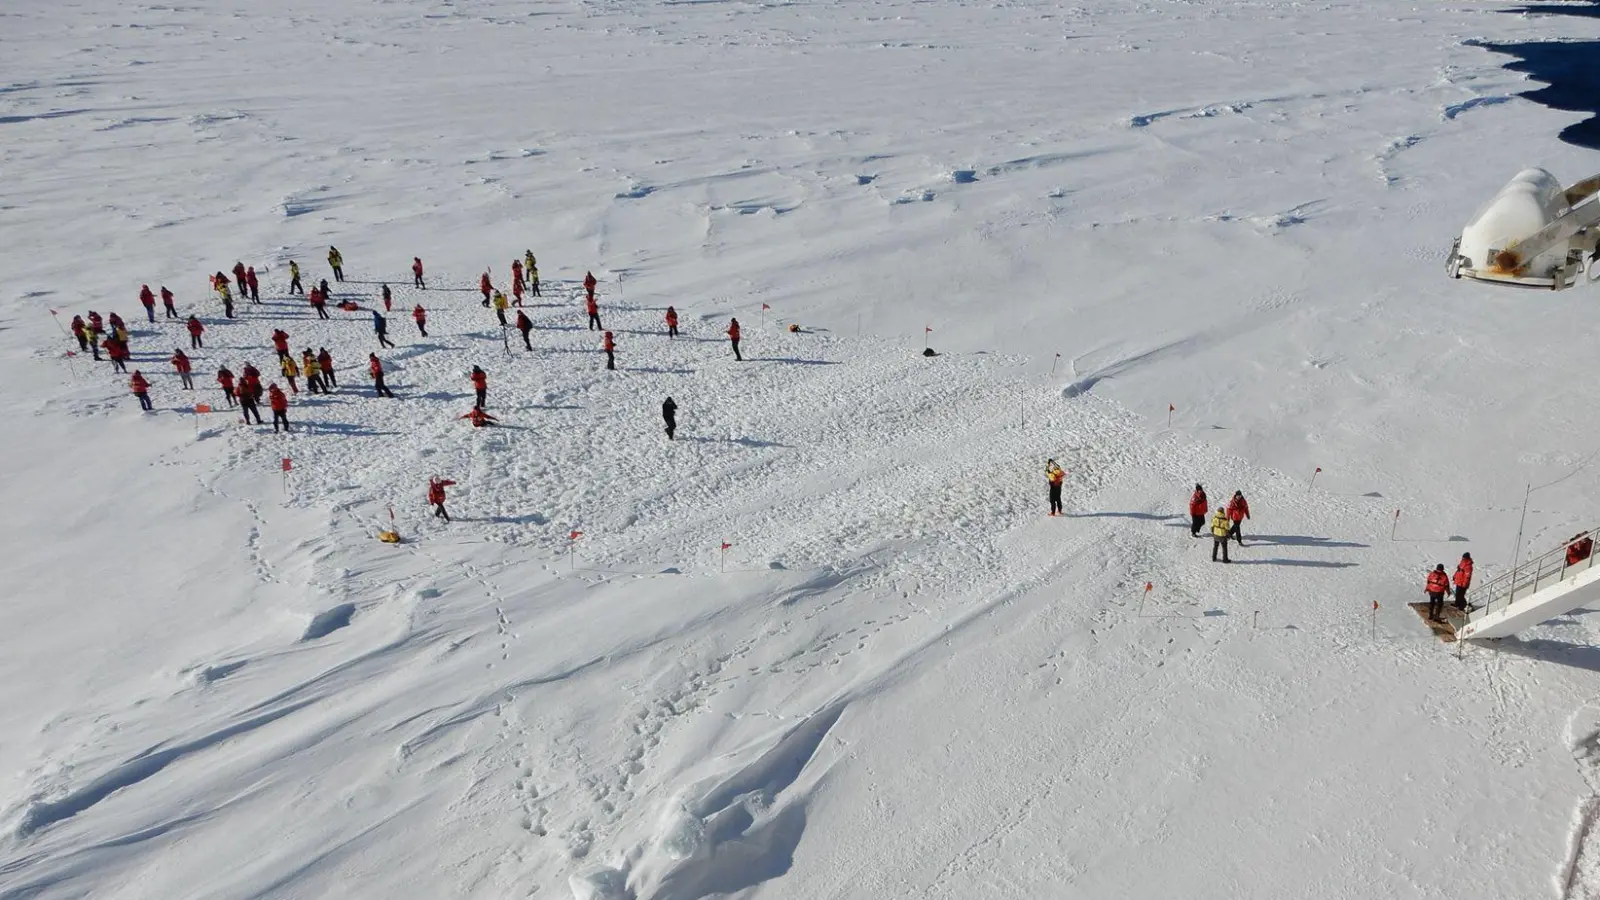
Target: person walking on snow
{"type": "Point", "coordinates": [1436, 586]}
{"type": "Point", "coordinates": [1238, 511]}
{"type": "Point", "coordinates": [280, 408]}
{"type": "Point", "coordinates": [325, 368]}
{"type": "Point", "coordinates": [1199, 505]}
{"type": "Point", "coordinates": [80, 330]}
{"type": "Point", "coordinates": [589, 284]}
{"type": "Point", "coordinates": [195, 330]}
{"type": "Point", "coordinates": [479, 418]}
{"type": "Point", "coordinates": [336, 263]}
{"type": "Point", "coordinates": [594, 314]}
{"type": "Point", "coordinates": [280, 341]}
{"type": "Point", "coordinates": [436, 488]}
{"type": "Point", "coordinates": [254, 285]}
{"type": "Point", "coordinates": [421, 315]}
{"type": "Point", "coordinates": [308, 365]}
{"type": "Point", "coordinates": [525, 325]}
{"type": "Point", "coordinates": [500, 307]}
{"type": "Point", "coordinates": [220, 282]}
{"type": "Point", "coordinates": [486, 286]}
{"type": "Point", "coordinates": [141, 389]}
{"type": "Point", "coordinates": [386, 299]}
{"type": "Point", "coordinates": [480, 385]}
{"type": "Point", "coordinates": [1221, 527]}
{"type": "Point", "coordinates": [225, 381]}
{"type": "Point", "coordinates": [319, 302]}
{"type": "Point", "coordinates": [516, 292]}
{"type": "Point", "coordinates": [294, 279]}
{"type": "Point", "coordinates": [532, 276]}
{"type": "Point", "coordinates": [118, 327]}
{"type": "Point", "coordinates": [249, 394]}
{"type": "Point", "coordinates": [241, 281]}
{"type": "Point", "coordinates": [380, 327]}
{"type": "Point", "coordinates": [416, 273]}
{"type": "Point", "coordinates": [166, 300]}
{"type": "Point", "coordinates": [610, 346]}
{"type": "Point", "coordinates": [291, 371]}
{"type": "Point", "coordinates": [1054, 476]}
{"type": "Point", "coordinates": [733, 337]}
{"type": "Point", "coordinates": [529, 264]}
{"type": "Point", "coordinates": [375, 369]}
{"type": "Point", "coordinates": [669, 414]}
{"type": "Point", "coordinates": [326, 293]}
{"type": "Point", "coordinates": [86, 335]}
{"type": "Point", "coordinates": [118, 352]}
{"type": "Point", "coordinates": [516, 276]}
{"type": "Point", "coordinates": [148, 299]}
{"type": "Point", "coordinates": [97, 326]}
{"type": "Point", "coordinates": [672, 322]}
{"type": "Point", "coordinates": [1463, 580]}
{"type": "Point", "coordinates": [181, 365]}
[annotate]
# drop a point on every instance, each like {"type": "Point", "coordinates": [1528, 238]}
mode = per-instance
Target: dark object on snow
{"type": "Point", "coordinates": [928, 351]}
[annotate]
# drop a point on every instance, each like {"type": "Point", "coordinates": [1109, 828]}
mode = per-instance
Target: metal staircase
{"type": "Point", "coordinates": [1534, 591]}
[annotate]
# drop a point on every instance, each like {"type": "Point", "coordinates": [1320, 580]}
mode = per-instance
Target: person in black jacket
{"type": "Point", "coordinates": [669, 413]}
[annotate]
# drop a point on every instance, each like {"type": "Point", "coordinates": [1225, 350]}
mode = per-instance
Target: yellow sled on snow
{"type": "Point", "coordinates": [389, 537]}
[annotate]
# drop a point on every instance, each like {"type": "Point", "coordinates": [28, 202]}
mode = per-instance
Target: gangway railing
{"type": "Point", "coordinates": [1533, 575]}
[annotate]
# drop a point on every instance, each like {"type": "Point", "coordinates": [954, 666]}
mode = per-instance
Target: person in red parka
{"type": "Point", "coordinates": [195, 330]}
{"type": "Point", "coordinates": [1438, 582]}
{"type": "Point", "coordinates": [375, 369]}
{"type": "Point", "coordinates": [280, 407]}
{"type": "Point", "coordinates": [487, 286]}
{"type": "Point", "coordinates": [280, 340]}
{"type": "Point", "coordinates": [325, 363]}
{"type": "Point", "coordinates": [181, 365]}
{"type": "Point", "coordinates": [480, 385]}
{"type": "Point", "coordinates": [1238, 511]}
{"type": "Point", "coordinates": [166, 301]}
{"type": "Point", "coordinates": [672, 322]}
{"type": "Point", "coordinates": [416, 273]}
{"type": "Point", "coordinates": [589, 284]}
{"type": "Point", "coordinates": [240, 279]}
{"type": "Point", "coordinates": [516, 291]}
{"type": "Point", "coordinates": [319, 302]}
{"type": "Point", "coordinates": [525, 325]}
{"type": "Point", "coordinates": [148, 298]}
{"type": "Point", "coordinates": [594, 313]}
{"type": "Point", "coordinates": [1199, 506]}
{"type": "Point", "coordinates": [225, 381]}
{"type": "Point", "coordinates": [421, 316]}
{"type": "Point", "coordinates": [609, 345]}
{"type": "Point", "coordinates": [516, 276]}
{"type": "Point", "coordinates": [436, 488]}
{"type": "Point", "coordinates": [249, 394]}
{"type": "Point", "coordinates": [479, 418]}
{"type": "Point", "coordinates": [252, 284]}
{"type": "Point", "coordinates": [733, 337]}
{"type": "Point", "coordinates": [1463, 580]}
{"type": "Point", "coordinates": [118, 351]}
{"type": "Point", "coordinates": [141, 389]}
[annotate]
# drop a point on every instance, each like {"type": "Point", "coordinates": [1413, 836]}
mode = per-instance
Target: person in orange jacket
{"type": "Point", "coordinates": [180, 364]}
{"type": "Point", "coordinates": [225, 381]}
{"type": "Point", "coordinates": [416, 273]}
{"type": "Point", "coordinates": [141, 389]}
{"type": "Point", "coordinates": [436, 488]}
{"type": "Point", "coordinates": [479, 418]}
{"type": "Point", "coordinates": [375, 369]}
{"type": "Point", "coordinates": [1463, 580]}
{"type": "Point", "coordinates": [672, 322]}
{"type": "Point", "coordinates": [1238, 511]}
{"type": "Point", "coordinates": [733, 336]}
{"type": "Point", "coordinates": [525, 325]}
{"type": "Point", "coordinates": [593, 307]}
{"type": "Point", "coordinates": [480, 385]}
{"type": "Point", "coordinates": [280, 407]}
{"type": "Point", "coordinates": [1436, 586]}
{"type": "Point", "coordinates": [421, 317]}
{"type": "Point", "coordinates": [148, 300]}
{"type": "Point", "coordinates": [1199, 505]}
{"type": "Point", "coordinates": [609, 345]}
{"type": "Point", "coordinates": [1055, 477]}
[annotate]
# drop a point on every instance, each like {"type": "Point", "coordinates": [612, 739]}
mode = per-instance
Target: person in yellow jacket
{"type": "Point", "coordinates": [500, 307]}
{"type": "Point", "coordinates": [294, 279]}
{"type": "Point", "coordinates": [313, 372]}
{"type": "Point", "coordinates": [1054, 476]}
{"type": "Point", "coordinates": [1221, 526]}
{"type": "Point", "coordinates": [290, 371]}
{"type": "Point", "coordinates": [336, 263]}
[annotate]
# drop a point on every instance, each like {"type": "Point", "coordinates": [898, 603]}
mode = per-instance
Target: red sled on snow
{"type": "Point", "coordinates": [350, 306]}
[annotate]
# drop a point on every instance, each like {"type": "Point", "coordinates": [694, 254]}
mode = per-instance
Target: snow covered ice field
{"type": "Point", "coordinates": [906, 682]}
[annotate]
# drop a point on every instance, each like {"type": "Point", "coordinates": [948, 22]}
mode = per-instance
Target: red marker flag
{"type": "Point", "coordinates": [574, 535]}
{"type": "Point", "coordinates": [1374, 604]}
{"type": "Point", "coordinates": [286, 464]}
{"type": "Point", "coordinates": [764, 306]}
{"type": "Point", "coordinates": [927, 329]}
{"type": "Point", "coordinates": [726, 545]}
{"type": "Point", "coordinates": [1319, 469]}
{"type": "Point", "coordinates": [1171, 408]}
{"type": "Point", "coordinates": [1148, 587]}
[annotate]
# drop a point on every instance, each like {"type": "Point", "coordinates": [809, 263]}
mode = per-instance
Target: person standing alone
{"type": "Point", "coordinates": [480, 386]}
{"type": "Point", "coordinates": [1054, 476]}
{"type": "Point", "coordinates": [436, 488]}
{"type": "Point", "coordinates": [669, 414]}
{"type": "Point", "coordinates": [733, 338]}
